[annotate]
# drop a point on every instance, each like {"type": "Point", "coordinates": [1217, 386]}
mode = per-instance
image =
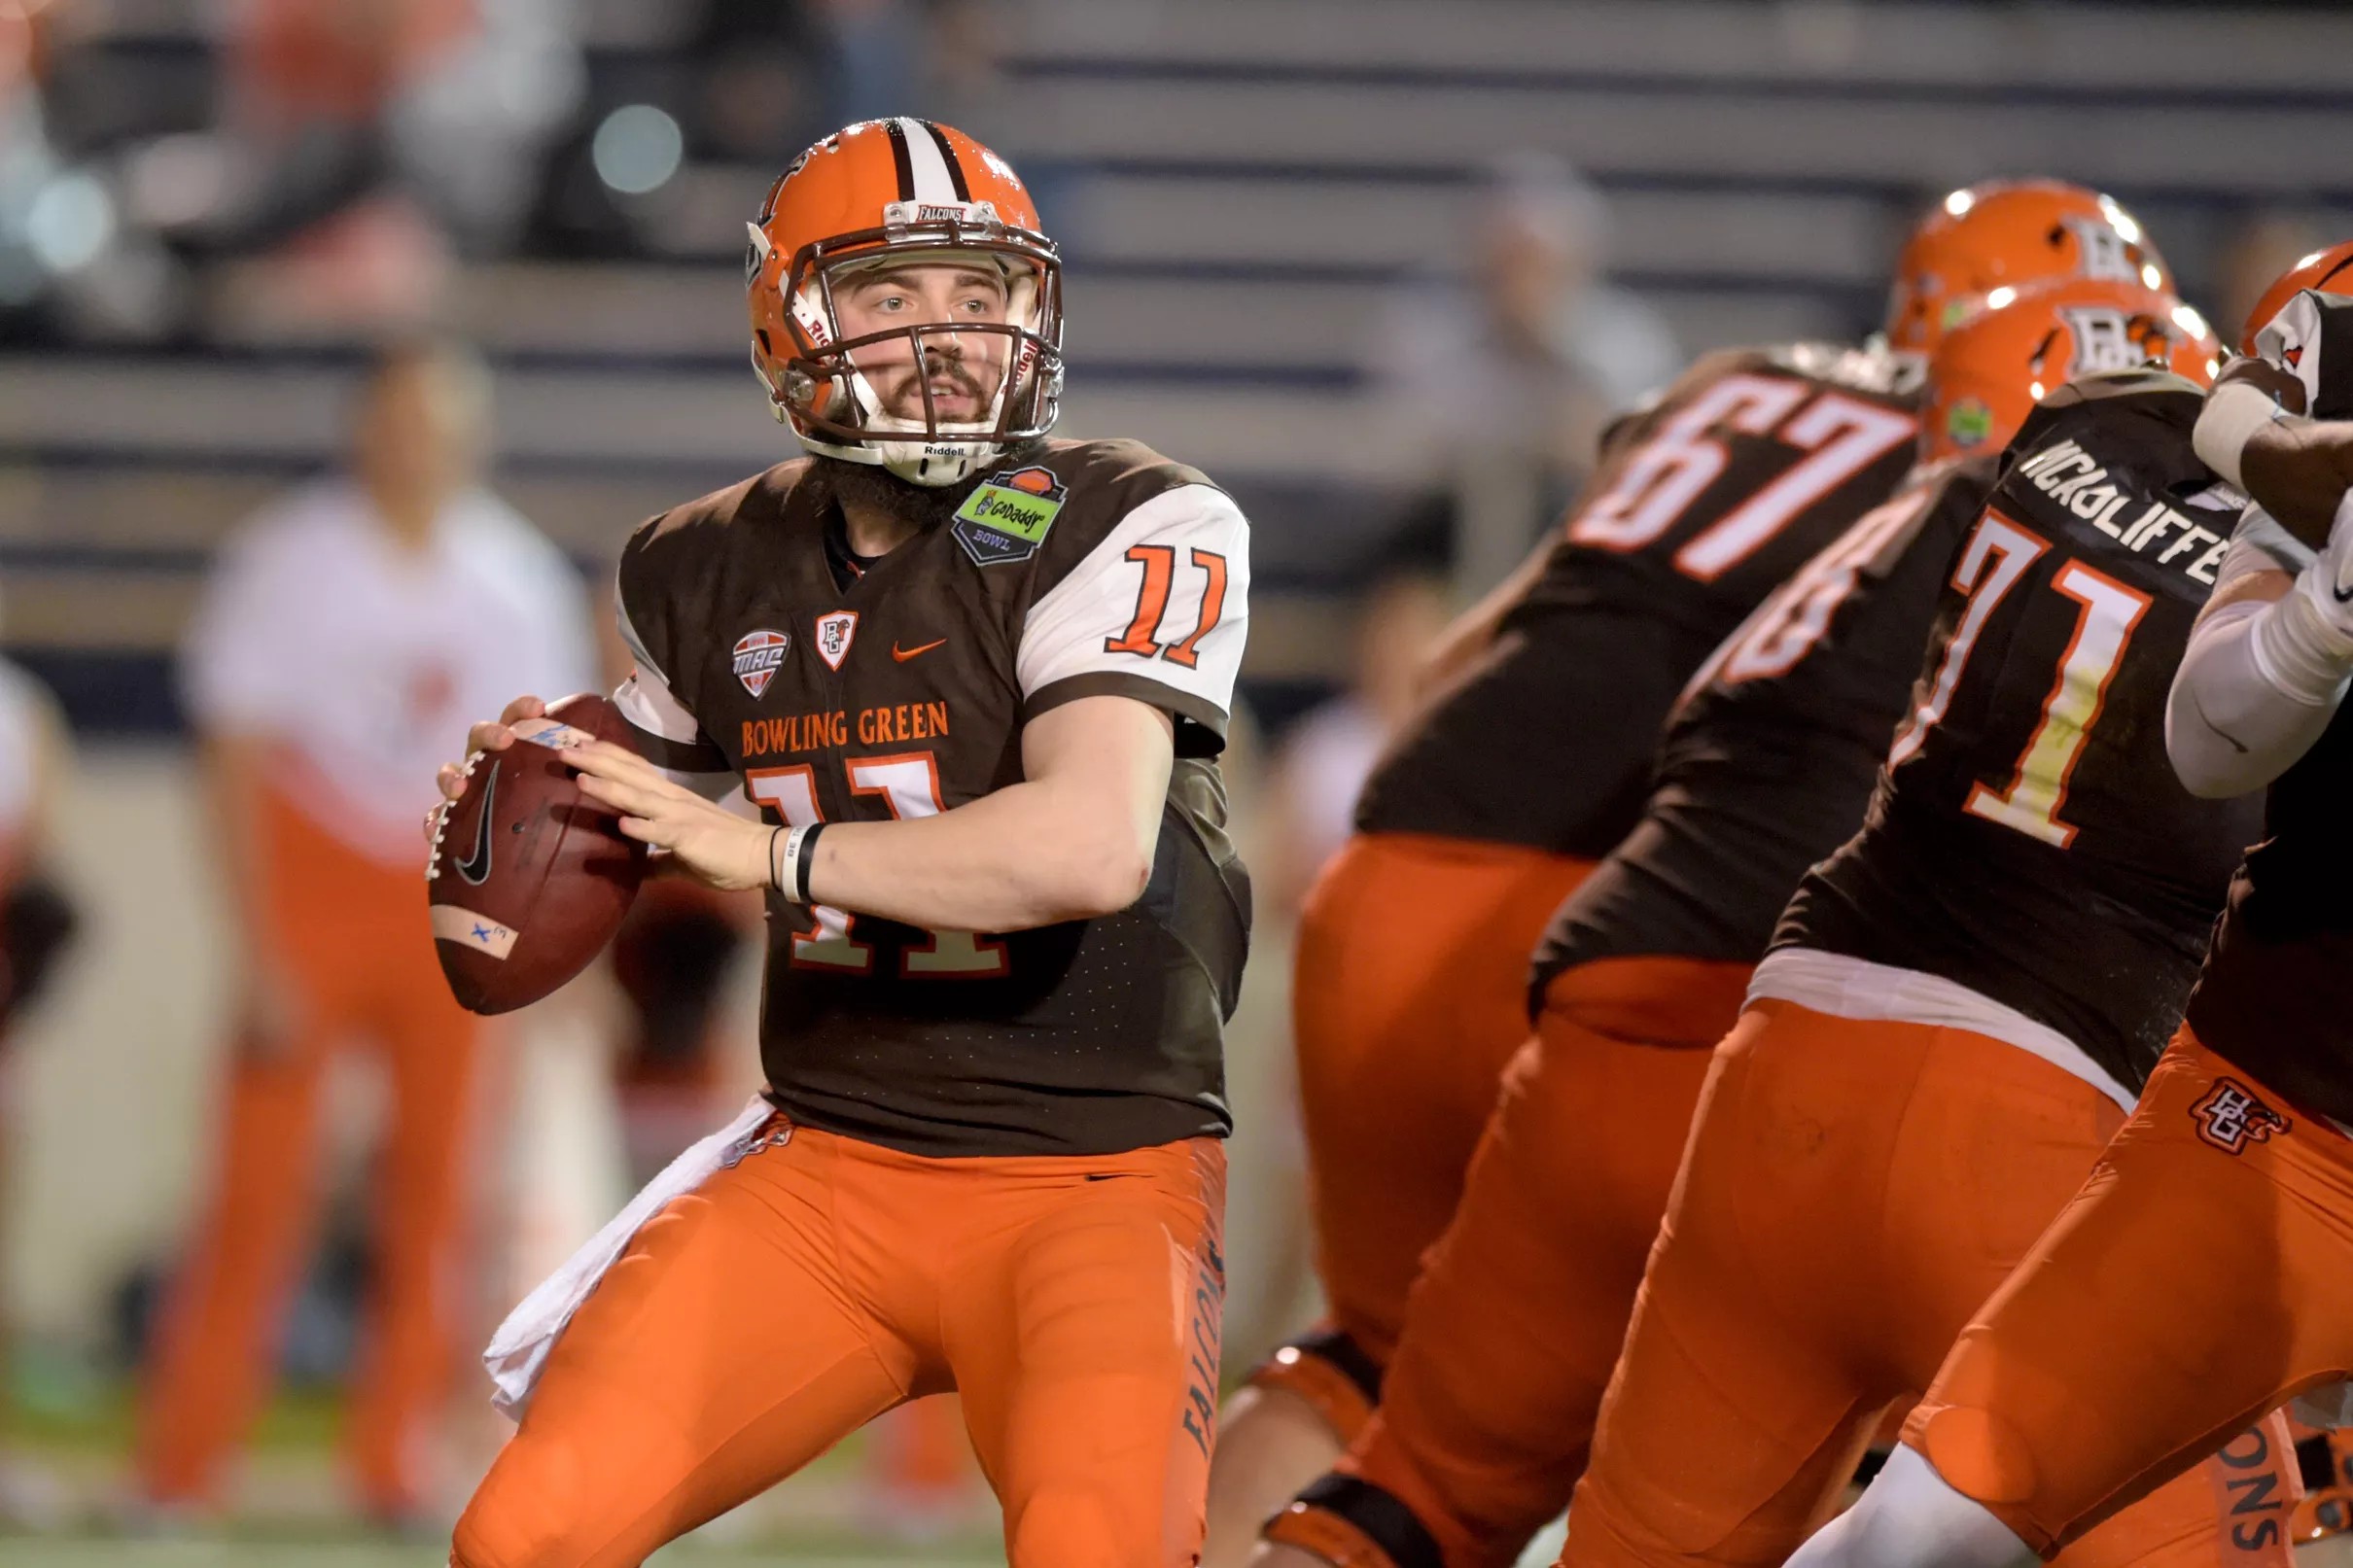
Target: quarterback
{"type": "Point", "coordinates": [977, 681]}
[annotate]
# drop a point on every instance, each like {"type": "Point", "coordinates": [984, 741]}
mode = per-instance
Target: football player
{"type": "Point", "coordinates": [37, 922]}
{"type": "Point", "coordinates": [345, 632]}
{"type": "Point", "coordinates": [978, 679]}
{"type": "Point", "coordinates": [1766, 766]}
{"type": "Point", "coordinates": [1960, 1003]}
{"type": "Point", "coordinates": [1531, 762]}
{"type": "Point", "coordinates": [2199, 1275]}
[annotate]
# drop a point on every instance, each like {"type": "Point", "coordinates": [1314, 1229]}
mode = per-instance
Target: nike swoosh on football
{"type": "Point", "coordinates": [903, 655]}
{"type": "Point", "coordinates": [475, 867]}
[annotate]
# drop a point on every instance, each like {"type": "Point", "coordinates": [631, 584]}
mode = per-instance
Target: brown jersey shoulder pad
{"type": "Point", "coordinates": [670, 554]}
{"type": "Point", "coordinates": [1099, 484]}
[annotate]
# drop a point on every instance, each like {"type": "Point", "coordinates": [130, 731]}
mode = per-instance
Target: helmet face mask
{"type": "Point", "coordinates": [833, 377]}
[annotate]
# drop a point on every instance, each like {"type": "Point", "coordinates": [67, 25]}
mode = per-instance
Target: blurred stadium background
{"type": "Point", "coordinates": [1381, 266]}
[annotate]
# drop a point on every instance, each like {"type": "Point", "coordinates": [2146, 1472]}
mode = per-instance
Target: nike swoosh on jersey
{"type": "Point", "coordinates": [903, 655]}
{"type": "Point", "coordinates": [475, 867]}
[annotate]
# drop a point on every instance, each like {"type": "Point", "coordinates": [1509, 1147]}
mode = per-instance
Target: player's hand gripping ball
{"type": "Point", "coordinates": [529, 878]}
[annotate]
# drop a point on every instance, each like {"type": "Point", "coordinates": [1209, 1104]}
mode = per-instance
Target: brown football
{"type": "Point", "coordinates": [529, 878]}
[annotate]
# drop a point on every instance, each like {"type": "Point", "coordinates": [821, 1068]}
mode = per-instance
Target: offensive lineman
{"type": "Point", "coordinates": [2224, 1195]}
{"type": "Point", "coordinates": [978, 679]}
{"type": "Point", "coordinates": [1766, 766]}
{"type": "Point", "coordinates": [1923, 1075]}
{"type": "Point", "coordinates": [1531, 762]}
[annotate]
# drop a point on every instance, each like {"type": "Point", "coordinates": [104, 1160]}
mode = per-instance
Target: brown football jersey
{"type": "Point", "coordinates": [834, 689]}
{"type": "Point", "coordinates": [1770, 758]}
{"type": "Point", "coordinates": [2028, 840]}
{"type": "Point", "coordinates": [1704, 501]}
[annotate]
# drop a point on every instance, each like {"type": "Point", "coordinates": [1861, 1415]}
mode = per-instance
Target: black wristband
{"type": "Point", "coordinates": [807, 861]}
{"type": "Point", "coordinates": [776, 868]}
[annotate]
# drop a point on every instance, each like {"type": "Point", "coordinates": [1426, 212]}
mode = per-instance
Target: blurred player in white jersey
{"type": "Point", "coordinates": [36, 925]}
{"type": "Point", "coordinates": [381, 610]}
{"type": "Point", "coordinates": [35, 922]}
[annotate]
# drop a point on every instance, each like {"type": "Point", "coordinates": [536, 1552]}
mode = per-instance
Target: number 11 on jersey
{"type": "Point", "coordinates": [909, 786]}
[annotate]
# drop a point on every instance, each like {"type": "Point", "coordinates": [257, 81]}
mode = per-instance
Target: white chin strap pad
{"type": "Point", "coordinates": [948, 459]}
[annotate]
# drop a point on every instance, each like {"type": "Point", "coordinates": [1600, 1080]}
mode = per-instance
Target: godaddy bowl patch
{"type": "Point", "coordinates": [1006, 518]}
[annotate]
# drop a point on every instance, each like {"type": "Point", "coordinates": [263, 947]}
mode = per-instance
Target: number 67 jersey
{"type": "Point", "coordinates": [840, 690]}
{"type": "Point", "coordinates": [2028, 839]}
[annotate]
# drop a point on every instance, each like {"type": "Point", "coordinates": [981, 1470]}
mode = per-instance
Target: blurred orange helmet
{"type": "Point", "coordinates": [1988, 373]}
{"type": "Point", "coordinates": [2329, 271]}
{"type": "Point", "coordinates": [2011, 232]}
{"type": "Point", "coordinates": [889, 192]}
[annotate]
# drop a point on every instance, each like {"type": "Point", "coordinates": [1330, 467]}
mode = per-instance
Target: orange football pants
{"type": "Point", "coordinates": [1072, 1303]}
{"type": "Point", "coordinates": [2201, 1276]}
{"type": "Point", "coordinates": [1852, 1191]}
{"type": "Point", "coordinates": [1515, 1323]}
{"type": "Point", "coordinates": [352, 935]}
{"type": "Point", "coordinates": [1410, 997]}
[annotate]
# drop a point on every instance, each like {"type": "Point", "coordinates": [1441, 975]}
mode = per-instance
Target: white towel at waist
{"type": "Point", "coordinates": [519, 1351]}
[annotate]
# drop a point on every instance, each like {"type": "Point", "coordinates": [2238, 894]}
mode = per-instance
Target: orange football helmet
{"type": "Point", "coordinates": [1988, 373]}
{"type": "Point", "coordinates": [2011, 232]}
{"type": "Point", "coordinates": [888, 193]}
{"type": "Point", "coordinates": [2329, 271]}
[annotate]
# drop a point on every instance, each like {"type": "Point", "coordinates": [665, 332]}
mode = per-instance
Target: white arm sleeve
{"type": "Point", "coordinates": [1158, 611]}
{"type": "Point", "coordinates": [668, 735]}
{"type": "Point", "coordinates": [2258, 684]}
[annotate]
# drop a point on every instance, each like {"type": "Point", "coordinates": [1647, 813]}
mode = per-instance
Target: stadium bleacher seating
{"type": "Point", "coordinates": [1238, 184]}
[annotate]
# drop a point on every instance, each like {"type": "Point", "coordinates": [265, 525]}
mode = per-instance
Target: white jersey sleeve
{"type": "Point", "coordinates": [668, 735]}
{"type": "Point", "coordinates": [2262, 678]}
{"type": "Point", "coordinates": [234, 672]}
{"type": "Point", "coordinates": [550, 601]}
{"type": "Point", "coordinates": [1159, 610]}
{"type": "Point", "coordinates": [21, 720]}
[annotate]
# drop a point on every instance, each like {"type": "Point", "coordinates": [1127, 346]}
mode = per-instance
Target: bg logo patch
{"type": "Point", "coordinates": [1006, 519]}
{"type": "Point", "coordinates": [833, 633]}
{"type": "Point", "coordinates": [759, 655]}
{"type": "Point", "coordinates": [2231, 1118]}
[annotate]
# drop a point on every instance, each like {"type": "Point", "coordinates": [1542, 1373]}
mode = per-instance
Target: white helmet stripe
{"type": "Point", "coordinates": [931, 181]}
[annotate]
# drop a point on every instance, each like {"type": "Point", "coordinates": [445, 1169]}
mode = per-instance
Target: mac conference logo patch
{"type": "Point", "coordinates": [759, 655]}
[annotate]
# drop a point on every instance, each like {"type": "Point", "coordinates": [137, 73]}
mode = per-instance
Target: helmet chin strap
{"type": "Point", "coordinates": [949, 456]}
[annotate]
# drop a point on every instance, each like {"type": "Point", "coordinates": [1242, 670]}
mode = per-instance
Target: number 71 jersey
{"type": "Point", "coordinates": [2028, 839]}
{"type": "Point", "coordinates": [838, 690]}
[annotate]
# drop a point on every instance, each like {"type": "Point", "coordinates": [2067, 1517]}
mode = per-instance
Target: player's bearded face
{"type": "Point", "coordinates": [961, 370]}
